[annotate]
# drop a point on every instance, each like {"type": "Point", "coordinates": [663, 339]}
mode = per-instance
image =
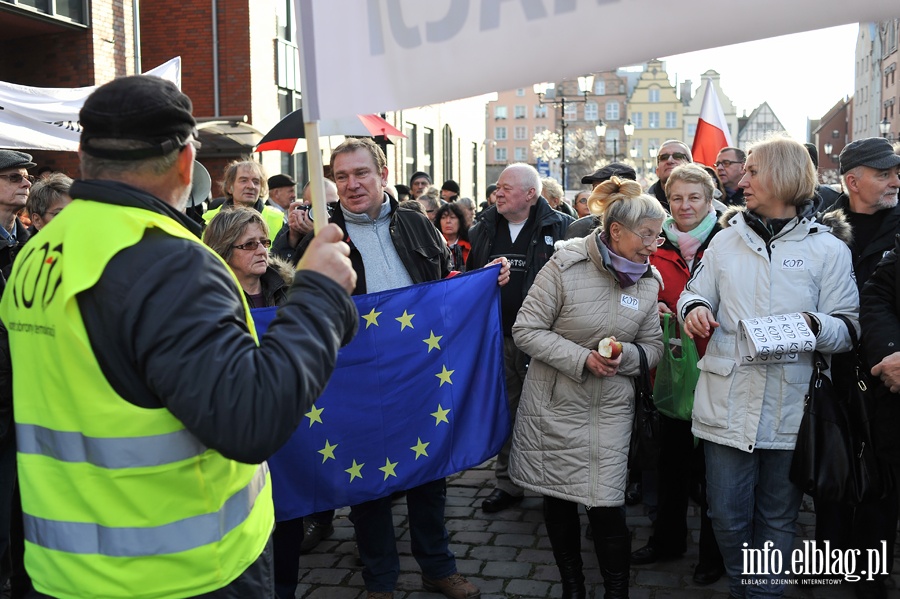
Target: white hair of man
{"type": "Point", "coordinates": [527, 175]}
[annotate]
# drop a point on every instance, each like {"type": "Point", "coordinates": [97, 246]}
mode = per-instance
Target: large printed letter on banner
{"type": "Point", "coordinates": [472, 47]}
{"type": "Point", "coordinates": [418, 394]}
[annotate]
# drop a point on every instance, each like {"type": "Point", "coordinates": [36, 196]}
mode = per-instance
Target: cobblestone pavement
{"type": "Point", "coordinates": [508, 554]}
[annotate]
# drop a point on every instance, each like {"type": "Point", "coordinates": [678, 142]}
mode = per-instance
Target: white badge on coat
{"type": "Point", "coordinates": [630, 302]}
{"type": "Point", "coordinates": [548, 240]}
{"type": "Point", "coordinates": [793, 264]}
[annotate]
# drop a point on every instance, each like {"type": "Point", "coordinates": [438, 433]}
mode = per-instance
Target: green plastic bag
{"type": "Point", "coordinates": [676, 374]}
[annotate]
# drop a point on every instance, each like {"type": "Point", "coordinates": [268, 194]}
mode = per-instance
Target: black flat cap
{"type": "Point", "coordinates": [874, 152]}
{"type": "Point", "coordinates": [137, 108]}
{"type": "Point", "coordinates": [277, 181]}
{"type": "Point", "coordinates": [613, 169]}
{"type": "Point", "coordinates": [14, 159]}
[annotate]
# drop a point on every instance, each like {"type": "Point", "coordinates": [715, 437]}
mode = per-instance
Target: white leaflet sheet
{"type": "Point", "coordinates": [775, 339]}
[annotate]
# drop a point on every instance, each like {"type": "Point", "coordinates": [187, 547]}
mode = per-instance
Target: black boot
{"type": "Point", "coordinates": [564, 532]}
{"type": "Point", "coordinates": [572, 577]}
{"type": "Point", "coordinates": [614, 554]}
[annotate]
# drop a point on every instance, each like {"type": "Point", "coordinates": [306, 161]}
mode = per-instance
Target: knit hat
{"type": "Point", "coordinates": [450, 185]}
{"type": "Point", "coordinates": [419, 175]}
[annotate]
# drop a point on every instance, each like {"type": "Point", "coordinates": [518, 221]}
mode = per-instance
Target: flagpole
{"type": "Point", "coordinates": [316, 175]}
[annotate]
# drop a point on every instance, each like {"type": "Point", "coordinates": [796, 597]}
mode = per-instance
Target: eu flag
{"type": "Point", "coordinates": [418, 394]}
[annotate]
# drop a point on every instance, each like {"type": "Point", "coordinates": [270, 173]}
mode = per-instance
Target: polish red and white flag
{"type": "Point", "coordinates": [712, 131]}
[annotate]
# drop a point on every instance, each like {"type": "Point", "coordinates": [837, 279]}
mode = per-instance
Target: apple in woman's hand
{"type": "Point", "coordinates": [609, 348]}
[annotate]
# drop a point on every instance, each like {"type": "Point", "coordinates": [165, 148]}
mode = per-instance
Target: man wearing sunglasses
{"type": "Point", "coordinates": [730, 166]}
{"type": "Point", "coordinates": [142, 443]}
{"type": "Point", "coordinates": [672, 153]}
{"type": "Point", "coordinates": [15, 183]}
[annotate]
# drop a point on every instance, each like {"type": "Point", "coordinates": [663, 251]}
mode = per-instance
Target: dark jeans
{"type": "Point", "coordinates": [374, 525]}
{"type": "Point", "coordinates": [678, 460]}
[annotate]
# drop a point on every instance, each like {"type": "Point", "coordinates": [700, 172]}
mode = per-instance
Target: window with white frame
{"type": "Point", "coordinates": [571, 112]}
{"type": "Point", "coordinates": [520, 132]}
{"type": "Point", "coordinates": [612, 111]}
{"type": "Point", "coordinates": [521, 111]}
{"type": "Point", "coordinates": [500, 133]}
{"type": "Point", "coordinates": [539, 129]}
{"type": "Point", "coordinates": [671, 119]}
{"type": "Point", "coordinates": [599, 87]}
{"type": "Point", "coordinates": [591, 111]}
{"type": "Point", "coordinates": [652, 120]}
{"type": "Point", "coordinates": [540, 111]}
{"type": "Point", "coordinates": [520, 92]}
{"type": "Point", "coordinates": [653, 95]}
{"type": "Point", "coordinates": [637, 119]}
{"type": "Point", "coordinates": [499, 154]}
{"type": "Point", "coordinates": [521, 154]}
{"type": "Point", "coordinates": [499, 112]}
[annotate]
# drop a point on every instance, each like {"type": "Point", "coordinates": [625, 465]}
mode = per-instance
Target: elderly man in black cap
{"type": "Point", "coordinates": [282, 191]}
{"type": "Point", "coordinates": [870, 172]}
{"type": "Point", "coordinates": [586, 224]}
{"type": "Point", "coordinates": [15, 183]}
{"type": "Point", "coordinates": [418, 184]}
{"type": "Point", "coordinates": [142, 444]}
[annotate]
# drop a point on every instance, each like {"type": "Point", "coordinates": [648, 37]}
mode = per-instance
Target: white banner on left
{"type": "Point", "coordinates": [46, 118]}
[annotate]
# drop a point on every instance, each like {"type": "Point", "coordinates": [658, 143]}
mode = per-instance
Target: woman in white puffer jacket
{"type": "Point", "coordinates": [774, 257]}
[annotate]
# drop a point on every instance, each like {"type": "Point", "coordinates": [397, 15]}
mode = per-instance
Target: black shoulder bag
{"type": "Point", "coordinates": [834, 459]}
{"type": "Point", "coordinates": [643, 450]}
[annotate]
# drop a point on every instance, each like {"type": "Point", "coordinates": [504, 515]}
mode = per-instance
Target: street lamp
{"type": "Point", "coordinates": [585, 85]}
{"type": "Point", "coordinates": [885, 127]}
{"type": "Point", "coordinates": [828, 147]}
{"type": "Point", "coordinates": [628, 127]}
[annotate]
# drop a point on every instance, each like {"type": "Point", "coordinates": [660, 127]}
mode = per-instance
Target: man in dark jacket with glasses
{"type": "Point", "coordinates": [15, 183]}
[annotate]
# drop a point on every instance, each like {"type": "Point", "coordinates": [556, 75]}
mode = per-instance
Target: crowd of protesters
{"type": "Point", "coordinates": [115, 426]}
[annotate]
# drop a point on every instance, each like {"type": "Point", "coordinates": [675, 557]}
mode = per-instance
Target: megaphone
{"type": "Point", "coordinates": [200, 187]}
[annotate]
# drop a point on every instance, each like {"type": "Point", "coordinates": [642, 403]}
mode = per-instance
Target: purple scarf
{"type": "Point", "coordinates": [626, 271]}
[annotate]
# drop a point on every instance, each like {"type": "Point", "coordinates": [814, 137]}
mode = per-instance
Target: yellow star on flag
{"type": "Point", "coordinates": [405, 320]}
{"type": "Point", "coordinates": [372, 318]}
{"type": "Point", "coordinates": [315, 415]}
{"type": "Point", "coordinates": [440, 415]}
{"type": "Point", "coordinates": [444, 375]}
{"type": "Point", "coordinates": [388, 468]}
{"type": "Point", "coordinates": [354, 471]}
{"type": "Point", "coordinates": [420, 448]}
{"type": "Point", "coordinates": [432, 341]}
{"type": "Point", "coordinates": [327, 451]}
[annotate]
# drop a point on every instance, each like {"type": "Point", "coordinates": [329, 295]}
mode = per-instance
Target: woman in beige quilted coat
{"type": "Point", "coordinates": [570, 441]}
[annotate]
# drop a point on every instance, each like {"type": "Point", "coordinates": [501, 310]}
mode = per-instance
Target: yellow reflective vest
{"type": "Point", "coordinates": [274, 218]}
{"type": "Point", "coordinates": [118, 500]}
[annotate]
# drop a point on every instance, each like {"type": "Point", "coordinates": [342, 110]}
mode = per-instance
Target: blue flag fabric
{"type": "Point", "coordinates": [418, 394]}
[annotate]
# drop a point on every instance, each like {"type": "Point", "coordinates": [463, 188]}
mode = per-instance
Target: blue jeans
{"type": "Point", "coordinates": [375, 536]}
{"type": "Point", "coordinates": [752, 501]}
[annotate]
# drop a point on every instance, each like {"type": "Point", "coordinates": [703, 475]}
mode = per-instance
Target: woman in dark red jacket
{"type": "Point", "coordinates": [688, 232]}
